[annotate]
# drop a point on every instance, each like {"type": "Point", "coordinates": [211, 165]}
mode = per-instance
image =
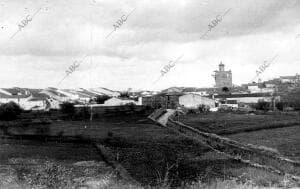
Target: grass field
{"type": "Point", "coordinates": [254, 129]}
{"type": "Point", "coordinates": [230, 123]}
{"type": "Point", "coordinates": [285, 140]}
{"type": "Point", "coordinates": [34, 164]}
{"type": "Point", "coordinates": [156, 156]}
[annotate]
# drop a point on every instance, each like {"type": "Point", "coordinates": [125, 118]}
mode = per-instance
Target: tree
{"type": "Point", "coordinates": [100, 99]}
{"type": "Point", "coordinates": [67, 108]}
{"type": "Point", "coordinates": [292, 98]}
{"type": "Point", "coordinates": [225, 89]}
{"type": "Point", "coordinates": [280, 105]}
{"type": "Point", "coordinates": [83, 113]}
{"type": "Point", "coordinates": [262, 105]}
{"type": "Point", "coordinates": [9, 111]}
{"type": "Point", "coordinates": [124, 94]}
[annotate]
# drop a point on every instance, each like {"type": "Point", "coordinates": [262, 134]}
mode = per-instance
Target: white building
{"type": "Point", "coordinates": [118, 102]}
{"type": "Point", "coordinates": [256, 89]}
{"type": "Point", "coordinates": [201, 93]}
{"type": "Point", "coordinates": [194, 101]}
{"type": "Point", "coordinates": [290, 79]}
{"type": "Point", "coordinates": [23, 98]}
{"type": "Point", "coordinates": [248, 98]}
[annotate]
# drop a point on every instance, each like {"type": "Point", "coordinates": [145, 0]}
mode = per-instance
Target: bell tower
{"type": "Point", "coordinates": [222, 78]}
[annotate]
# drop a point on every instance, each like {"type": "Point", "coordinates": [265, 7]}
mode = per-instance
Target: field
{"type": "Point", "coordinates": [230, 123]}
{"type": "Point", "coordinates": [285, 140]}
{"type": "Point", "coordinates": [37, 164]}
{"type": "Point", "coordinates": [154, 155]}
{"type": "Point", "coordinates": [280, 132]}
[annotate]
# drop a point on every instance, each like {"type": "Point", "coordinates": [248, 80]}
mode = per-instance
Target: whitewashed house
{"type": "Point", "coordinates": [23, 98]}
{"type": "Point", "coordinates": [118, 102]}
{"type": "Point", "coordinates": [193, 101]}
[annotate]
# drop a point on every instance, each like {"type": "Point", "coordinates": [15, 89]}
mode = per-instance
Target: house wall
{"type": "Point", "coordinates": [157, 101]}
{"type": "Point", "coordinates": [260, 90]}
{"type": "Point", "coordinates": [16, 100]}
{"type": "Point", "coordinates": [194, 101]}
{"type": "Point", "coordinates": [107, 110]}
{"type": "Point", "coordinates": [24, 103]}
{"type": "Point", "coordinates": [251, 99]}
{"type": "Point", "coordinates": [54, 104]}
{"type": "Point", "coordinates": [28, 105]}
{"type": "Point", "coordinates": [153, 101]}
{"type": "Point", "coordinates": [117, 102]}
{"type": "Point", "coordinates": [201, 93]}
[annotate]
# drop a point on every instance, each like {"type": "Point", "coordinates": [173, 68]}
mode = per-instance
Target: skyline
{"type": "Point", "coordinates": [134, 55]}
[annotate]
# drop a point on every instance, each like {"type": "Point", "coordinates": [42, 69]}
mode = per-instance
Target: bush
{"type": "Point", "coordinates": [292, 98]}
{"type": "Point", "coordinates": [83, 113]}
{"type": "Point", "coordinates": [67, 108]}
{"type": "Point", "coordinates": [131, 106]}
{"type": "Point", "coordinates": [9, 111]}
{"type": "Point", "coordinates": [101, 99]}
{"type": "Point", "coordinates": [262, 105]}
{"type": "Point", "coordinates": [191, 111]}
{"type": "Point", "coordinates": [281, 105]}
{"type": "Point", "coordinates": [203, 108]}
{"type": "Point", "coordinates": [124, 94]}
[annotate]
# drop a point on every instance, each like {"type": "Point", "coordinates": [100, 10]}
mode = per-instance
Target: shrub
{"type": "Point", "coordinates": [67, 108]}
{"type": "Point", "coordinates": [124, 94]}
{"type": "Point", "coordinates": [110, 134]}
{"type": "Point", "coordinates": [281, 105]}
{"type": "Point", "coordinates": [203, 108]}
{"type": "Point", "coordinates": [292, 98]}
{"type": "Point", "coordinates": [9, 111]}
{"type": "Point", "coordinates": [42, 130]}
{"type": "Point", "coordinates": [262, 105]}
{"type": "Point", "coordinates": [191, 111]}
{"type": "Point", "coordinates": [83, 113]}
{"type": "Point", "coordinates": [101, 99]}
{"type": "Point", "coordinates": [131, 106]}
{"type": "Point", "coordinates": [225, 89]}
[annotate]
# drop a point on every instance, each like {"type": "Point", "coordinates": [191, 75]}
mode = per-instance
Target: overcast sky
{"type": "Point", "coordinates": [156, 32]}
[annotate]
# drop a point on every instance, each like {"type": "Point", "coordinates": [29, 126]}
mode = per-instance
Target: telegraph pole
{"type": "Point", "coordinates": [91, 117]}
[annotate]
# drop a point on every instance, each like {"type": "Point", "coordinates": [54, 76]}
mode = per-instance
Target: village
{"type": "Point", "coordinates": [223, 95]}
{"type": "Point", "coordinates": [143, 94]}
{"type": "Point", "coordinates": [122, 128]}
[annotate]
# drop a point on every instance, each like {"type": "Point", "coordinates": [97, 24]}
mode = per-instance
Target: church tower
{"type": "Point", "coordinates": [223, 78]}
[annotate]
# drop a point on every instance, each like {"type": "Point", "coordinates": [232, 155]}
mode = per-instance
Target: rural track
{"type": "Point", "coordinates": [250, 154]}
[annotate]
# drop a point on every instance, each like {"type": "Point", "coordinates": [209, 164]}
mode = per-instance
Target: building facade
{"type": "Point", "coordinates": [193, 101]}
{"type": "Point", "coordinates": [223, 78]}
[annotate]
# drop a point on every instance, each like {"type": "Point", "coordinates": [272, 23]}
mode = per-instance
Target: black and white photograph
{"type": "Point", "coordinates": [149, 94]}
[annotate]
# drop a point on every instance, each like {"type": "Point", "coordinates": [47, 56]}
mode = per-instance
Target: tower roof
{"type": "Point", "coordinates": [221, 64]}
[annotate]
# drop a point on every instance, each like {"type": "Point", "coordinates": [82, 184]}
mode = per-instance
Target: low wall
{"type": "Point", "coordinates": [109, 110]}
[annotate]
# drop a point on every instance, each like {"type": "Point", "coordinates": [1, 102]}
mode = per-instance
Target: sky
{"type": "Point", "coordinates": [156, 33]}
